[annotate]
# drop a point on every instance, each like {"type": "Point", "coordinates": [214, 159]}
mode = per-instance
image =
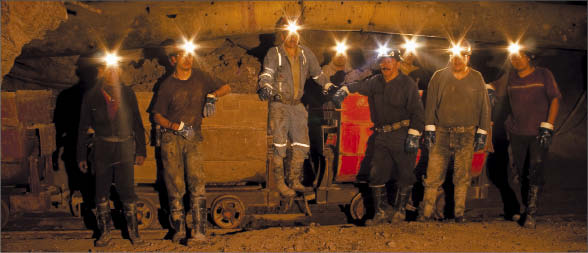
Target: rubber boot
{"type": "Point", "coordinates": [103, 213]}
{"type": "Point", "coordinates": [531, 207]}
{"type": "Point", "coordinates": [198, 234]}
{"type": "Point", "coordinates": [177, 220]}
{"type": "Point", "coordinates": [428, 203]}
{"type": "Point", "coordinates": [402, 196]}
{"type": "Point", "coordinates": [132, 224]}
{"type": "Point", "coordinates": [295, 176]}
{"type": "Point", "coordinates": [378, 196]}
{"type": "Point", "coordinates": [283, 189]}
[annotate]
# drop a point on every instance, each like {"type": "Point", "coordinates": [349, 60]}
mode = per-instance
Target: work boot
{"type": "Point", "coordinates": [402, 196]}
{"type": "Point", "coordinates": [198, 234]}
{"type": "Point", "coordinates": [531, 207]}
{"type": "Point", "coordinates": [177, 221]}
{"type": "Point", "coordinates": [133, 224]}
{"type": "Point", "coordinates": [295, 176]}
{"type": "Point", "coordinates": [284, 190]}
{"type": "Point", "coordinates": [378, 196]}
{"type": "Point", "coordinates": [429, 199]}
{"type": "Point", "coordinates": [459, 197]}
{"type": "Point", "coordinates": [103, 213]}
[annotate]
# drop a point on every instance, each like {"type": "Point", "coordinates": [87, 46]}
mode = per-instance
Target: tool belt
{"type": "Point", "coordinates": [392, 127]}
{"type": "Point", "coordinates": [114, 138]}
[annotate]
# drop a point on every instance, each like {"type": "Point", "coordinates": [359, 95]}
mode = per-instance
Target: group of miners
{"type": "Point", "coordinates": [454, 122]}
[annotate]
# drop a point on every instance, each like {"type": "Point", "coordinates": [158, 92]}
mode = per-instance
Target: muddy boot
{"type": "Point", "coordinates": [132, 224]}
{"type": "Point", "coordinates": [428, 203]}
{"type": "Point", "coordinates": [402, 196]}
{"type": "Point", "coordinates": [531, 207]}
{"type": "Point", "coordinates": [103, 212]}
{"type": "Point", "coordinates": [295, 176]}
{"type": "Point", "coordinates": [378, 196]}
{"type": "Point", "coordinates": [459, 197]}
{"type": "Point", "coordinates": [284, 190]}
{"type": "Point", "coordinates": [177, 221]}
{"type": "Point", "coordinates": [198, 234]}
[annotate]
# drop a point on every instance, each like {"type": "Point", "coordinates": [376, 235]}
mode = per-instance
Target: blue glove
{"type": "Point", "coordinates": [411, 144]}
{"type": "Point", "coordinates": [479, 142]}
{"type": "Point", "coordinates": [339, 96]}
{"type": "Point", "coordinates": [210, 107]}
{"type": "Point", "coordinates": [187, 132]}
{"type": "Point", "coordinates": [264, 93]}
{"type": "Point", "coordinates": [429, 139]}
{"type": "Point", "coordinates": [544, 137]}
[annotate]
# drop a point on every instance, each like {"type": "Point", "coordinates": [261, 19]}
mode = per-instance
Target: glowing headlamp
{"type": "Point", "coordinates": [383, 50]}
{"type": "Point", "coordinates": [341, 48]}
{"type": "Point", "coordinates": [188, 47]}
{"type": "Point", "coordinates": [457, 49]}
{"type": "Point", "coordinates": [111, 59]}
{"type": "Point", "coordinates": [292, 27]}
{"type": "Point", "coordinates": [514, 48]}
{"type": "Point", "coordinates": [410, 46]}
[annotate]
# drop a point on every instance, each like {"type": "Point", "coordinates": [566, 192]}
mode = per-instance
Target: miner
{"type": "Point", "coordinates": [533, 97]}
{"type": "Point", "coordinates": [110, 109]}
{"type": "Point", "coordinates": [398, 116]}
{"type": "Point", "coordinates": [285, 70]}
{"type": "Point", "coordinates": [457, 120]}
{"type": "Point", "coordinates": [183, 99]}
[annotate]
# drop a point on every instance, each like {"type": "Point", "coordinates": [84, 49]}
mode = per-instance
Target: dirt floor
{"type": "Point", "coordinates": [553, 233]}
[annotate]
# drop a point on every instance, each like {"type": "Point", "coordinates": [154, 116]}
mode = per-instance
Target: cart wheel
{"type": "Point", "coordinates": [5, 213]}
{"type": "Point", "coordinates": [146, 213]}
{"type": "Point", "coordinates": [357, 208]}
{"type": "Point", "coordinates": [228, 211]}
{"type": "Point", "coordinates": [439, 212]}
{"type": "Point", "coordinates": [75, 204]}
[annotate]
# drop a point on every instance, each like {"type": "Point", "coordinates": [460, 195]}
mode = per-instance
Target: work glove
{"type": "Point", "coordinates": [265, 92]}
{"type": "Point", "coordinates": [545, 134]}
{"type": "Point", "coordinates": [139, 160]}
{"type": "Point", "coordinates": [83, 166]}
{"type": "Point", "coordinates": [411, 144]}
{"type": "Point", "coordinates": [187, 132]}
{"type": "Point", "coordinates": [479, 142]}
{"type": "Point", "coordinates": [330, 88]}
{"type": "Point", "coordinates": [340, 95]}
{"type": "Point", "coordinates": [429, 139]}
{"type": "Point", "coordinates": [210, 107]}
{"type": "Point", "coordinates": [338, 78]}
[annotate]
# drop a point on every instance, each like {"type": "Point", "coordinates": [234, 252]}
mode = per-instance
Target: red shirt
{"type": "Point", "coordinates": [529, 99]}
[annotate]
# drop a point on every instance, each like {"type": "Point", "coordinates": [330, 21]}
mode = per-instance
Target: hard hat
{"type": "Point", "coordinates": [387, 52]}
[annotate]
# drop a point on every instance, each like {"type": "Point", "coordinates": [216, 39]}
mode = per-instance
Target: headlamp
{"type": "Point", "coordinates": [514, 48]}
{"type": "Point", "coordinates": [111, 59]}
{"type": "Point", "coordinates": [341, 48]}
{"type": "Point", "coordinates": [383, 51]}
{"type": "Point", "coordinates": [457, 49]}
{"type": "Point", "coordinates": [188, 47]}
{"type": "Point", "coordinates": [410, 46]}
{"type": "Point", "coordinates": [292, 27]}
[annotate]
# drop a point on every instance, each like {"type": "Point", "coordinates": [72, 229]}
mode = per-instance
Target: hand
{"type": "Point", "coordinates": [340, 95]}
{"type": "Point", "coordinates": [264, 93]}
{"type": "Point", "coordinates": [187, 132]}
{"type": "Point", "coordinates": [411, 144]}
{"type": "Point", "coordinates": [329, 88]}
{"type": "Point", "coordinates": [83, 166]}
{"type": "Point", "coordinates": [544, 137]}
{"type": "Point", "coordinates": [139, 160]}
{"type": "Point", "coordinates": [429, 139]}
{"type": "Point", "coordinates": [479, 142]}
{"type": "Point", "coordinates": [209, 106]}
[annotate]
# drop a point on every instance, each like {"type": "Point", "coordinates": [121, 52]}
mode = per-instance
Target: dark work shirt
{"type": "Point", "coordinates": [183, 100]}
{"type": "Point", "coordinates": [392, 101]}
{"type": "Point", "coordinates": [126, 122]}
{"type": "Point", "coordinates": [530, 98]}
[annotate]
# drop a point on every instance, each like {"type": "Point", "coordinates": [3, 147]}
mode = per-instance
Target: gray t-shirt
{"type": "Point", "coordinates": [452, 102]}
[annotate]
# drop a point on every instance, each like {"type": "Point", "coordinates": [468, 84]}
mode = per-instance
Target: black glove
{"type": "Point", "coordinates": [331, 90]}
{"type": "Point", "coordinates": [544, 137]}
{"type": "Point", "coordinates": [338, 78]}
{"type": "Point", "coordinates": [339, 96]}
{"type": "Point", "coordinates": [479, 142]}
{"type": "Point", "coordinates": [429, 139]}
{"type": "Point", "coordinates": [411, 144]}
{"type": "Point", "coordinates": [492, 97]}
{"type": "Point", "coordinates": [187, 132]}
{"type": "Point", "coordinates": [210, 107]}
{"type": "Point", "coordinates": [264, 93]}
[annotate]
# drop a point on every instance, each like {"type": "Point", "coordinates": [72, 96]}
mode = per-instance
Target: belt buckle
{"type": "Point", "coordinates": [387, 128]}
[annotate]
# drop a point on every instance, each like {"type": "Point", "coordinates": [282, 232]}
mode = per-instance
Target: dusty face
{"type": "Point", "coordinates": [459, 62]}
{"type": "Point", "coordinates": [183, 61]}
{"type": "Point", "coordinates": [291, 40]}
{"type": "Point", "coordinates": [389, 66]}
{"type": "Point", "coordinates": [110, 75]}
{"type": "Point", "coordinates": [339, 60]}
{"type": "Point", "coordinates": [519, 61]}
